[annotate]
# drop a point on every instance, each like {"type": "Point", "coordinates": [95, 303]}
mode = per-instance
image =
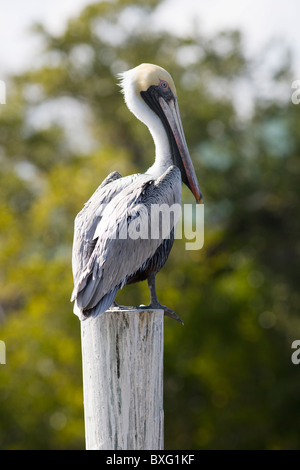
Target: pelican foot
{"type": "Point", "coordinates": [167, 311]}
{"type": "Point", "coordinates": [115, 306]}
{"type": "Point", "coordinates": [156, 305]}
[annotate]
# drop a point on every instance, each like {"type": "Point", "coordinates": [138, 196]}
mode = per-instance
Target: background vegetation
{"type": "Point", "coordinates": [229, 379]}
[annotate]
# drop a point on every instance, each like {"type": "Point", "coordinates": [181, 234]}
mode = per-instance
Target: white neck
{"type": "Point", "coordinates": [135, 103]}
{"type": "Point", "coordinates": [163, 156]}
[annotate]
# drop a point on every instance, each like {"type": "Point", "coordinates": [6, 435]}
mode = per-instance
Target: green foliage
{"type": "Point", "coordinates": [229, 380]}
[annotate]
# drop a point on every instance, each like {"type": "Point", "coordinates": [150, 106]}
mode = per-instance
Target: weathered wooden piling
{"type": "Point", "coordinates": [122, 352]}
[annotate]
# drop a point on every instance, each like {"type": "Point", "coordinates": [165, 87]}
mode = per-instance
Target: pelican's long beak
{"type": "Point", "coordinates": [171, 112]}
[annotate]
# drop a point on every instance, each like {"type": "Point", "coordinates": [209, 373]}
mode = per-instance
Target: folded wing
{"type": "Point", "coordinates": [113, 236]}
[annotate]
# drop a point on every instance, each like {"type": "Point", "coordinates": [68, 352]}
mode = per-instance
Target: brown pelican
{"type": "Point", "coordinates": [103, 261]}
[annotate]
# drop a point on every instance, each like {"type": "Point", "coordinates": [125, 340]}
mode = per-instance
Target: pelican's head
{"type": "Point", "coordinates": [150, 94]}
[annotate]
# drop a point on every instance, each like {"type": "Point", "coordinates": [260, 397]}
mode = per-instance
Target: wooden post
{"type": "Point", "coordinates": [122, 352]}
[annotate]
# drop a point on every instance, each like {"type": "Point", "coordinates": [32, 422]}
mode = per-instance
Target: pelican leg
{"type": "Point", "coordinates": [153, 296]}
{"type": "Point", "coordinates": [154, 303]}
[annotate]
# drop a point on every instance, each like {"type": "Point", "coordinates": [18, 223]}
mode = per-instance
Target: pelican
{"type": "Point", "coordinates": [102, 262]}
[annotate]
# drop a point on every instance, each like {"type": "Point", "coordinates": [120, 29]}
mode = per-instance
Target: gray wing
{"type": "Point", "coordinates": [88, 218]}
{"type": "Point", "coordinates": [118, 250]}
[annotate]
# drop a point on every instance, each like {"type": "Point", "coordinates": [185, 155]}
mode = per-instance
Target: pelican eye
{"type": "Point", "coordinates": [163, 84]}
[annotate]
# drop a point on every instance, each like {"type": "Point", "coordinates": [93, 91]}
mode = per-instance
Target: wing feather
{"type": "Point", "coordinates": [89, 217]}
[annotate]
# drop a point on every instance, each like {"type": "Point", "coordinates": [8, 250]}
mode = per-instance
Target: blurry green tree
{"type": "Point", "coordinates": [229, 379]}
